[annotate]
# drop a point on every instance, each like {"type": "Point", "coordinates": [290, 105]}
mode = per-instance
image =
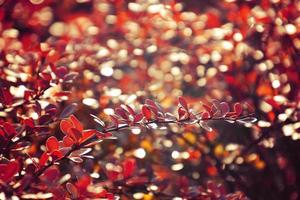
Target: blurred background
{"type": "Point", "coordinates": [127, 51]}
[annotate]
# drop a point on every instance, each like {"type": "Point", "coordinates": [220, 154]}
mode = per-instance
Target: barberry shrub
{"type": "Point", "coordinates": [117, 99]}
{"type": "Point", "coordinates": [30, 168]}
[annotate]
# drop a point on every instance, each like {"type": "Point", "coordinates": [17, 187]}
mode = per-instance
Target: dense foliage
{"type": "Point", "coordinates": [149, 99]}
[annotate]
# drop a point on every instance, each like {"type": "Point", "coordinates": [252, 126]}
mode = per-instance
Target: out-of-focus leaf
{"type": "Point", "coordinates": [70, 109]}
{"type": "Point", "coordinates": [183, 103]}
{"type": "Point", "coordinates": [238, 109]}
{"type": "Point", "coordinates": [72, 190]}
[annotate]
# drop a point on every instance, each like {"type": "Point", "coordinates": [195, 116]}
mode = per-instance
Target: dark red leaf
{"type": "Point", "coordinates": [114, 120]}
{"type": "Point", "coordinates": [9, 170]}
{"type": "Point", "coordinates": [61, 71]}
{"type": "Point", "coordinates": [138, 118]}
{"type": "Point", "coordinates": [182, 113]}
{"type": "Point", "coordinates": [238, 109]}
{"type": "Point", "coordinates": [183, 103]}
{"type": "Point", "coordinates": [6, 97]}
{"type": "Point", "coordinates": [129, 109]}
{"type": "Point", "coordinates": [122, 113]}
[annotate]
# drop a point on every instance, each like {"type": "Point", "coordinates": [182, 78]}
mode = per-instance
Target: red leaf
{"type": "Point", "coordinates": [182, 113]}
{"type": "Point", "coordinates": [130, 110]}
{"type": "Point", "coordinates": [208, 109]}
{"type": "Point", "coordinates": [76, 123]}
{"type": "Point", "coordinates": [6, 97]}
{"type": "Point", "coordinates": [72, 190]}
{"type": "Point", "coordinates": [114, 120]}
{"type": "Point", "coordinates": [238, 109]}
{"type": "Point", "coordinates": [57, 154]}
{"type": "Point", "coordinates": [205, 115]}
{"type": "Point", "coordinates": [65, 125]}
{"type": "Point", "coordinates": [74, 134]}
{"type": "Point", "coordinates": [129, 167]}
{"type": "Point", "coordinates": [138, 118]}
{"type": "Point", "coordinates": [44, 158]}
{"type": "Point", "coordinates": [83, 183]}
{"type": "Point", "coordinates": [67, 141]}
{"type": "Point", "coordinates": [122, 113]}
{"type": "Point", "coordinates": [52, 144]}
{"type": "Point", "coordinates": [183, 103]}
{"type": "Point", "coordinates": [87, 134]}
{"type": "Point", "coordinates": [146, 112]}
{"type": "Point", "coordinates": [9, 170]}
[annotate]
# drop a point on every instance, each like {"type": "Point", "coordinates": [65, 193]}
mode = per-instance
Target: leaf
{"type": "Point", "coordinates": [129, 109]}
{"type": "Point", "coordinates": [9, 170]}
{"type": "Point", "coordinates": [80, 152]}
{"type": "Point", "coordinates": [76, 123]}
{"type": "Point", "coordinates": [247, 120]}
{"type": "Point", "coordinates": [238, 109]}
{"type": "Point", "coordinates": [183, 103]}
{"type": "Point", "coordinates": [114, 120]}
{"type": "Point", "coordinates": [129, 167]}
{"type": "Point", "coordinates": [44, 158]}
{"type": "Point", "coordinates": [152, 106]}
{"type": "Point", "coordinates": [6, 98]}
{"type": "Point", "coordinates": [72, 190]}
{"type": "Point", "coordinates": [122, 113]}
{"type": "Point", "coordinates": [182, 113]}
{"type": "Point", "coordinates": [75, 134]}
{"type": "Point", "coordinates": [65, 126]}
{"type": "Point", "coordinates": [208, 109]}
{"type": "Point", "coordinates": [44, 119]}
{"type": "Point", "coordinates": [137, 118]}
{"type": "Point", "coordinates": [67, 141]}
{"type": "Point", "coordinates": [146, 112]}
{"type": "Point", "coordinates": [205, 115]}
{"type": "Point", "coordinates": [70, 77]}
{"type": "Point", "coordinates": [87, 134]}
{"type": "Point", "coordinates": [52, 144]}
{"type": "Point", "coordinates": [56, 154]}
{"type": "Point", "coordinates": [76, 159]}
{"type": "Point", "coordinates": [224, 108]}
{"type": "Point", "coordinates": [70, 109]}
{"type": "Point", "coordinates": [98, 120]}
{"type": "Point", "coordinates": [61, 71]}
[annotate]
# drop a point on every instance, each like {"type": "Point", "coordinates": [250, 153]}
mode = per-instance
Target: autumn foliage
{"type": "Point", "coordinates": [143, 99]}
